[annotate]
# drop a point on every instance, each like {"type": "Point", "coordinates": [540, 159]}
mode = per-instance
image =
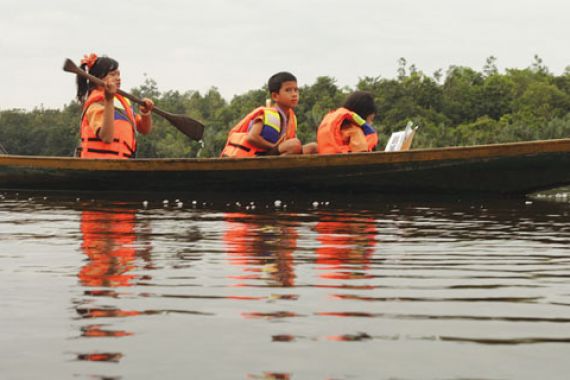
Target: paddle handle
{"type": "Point", "coordinates": [190, 127]}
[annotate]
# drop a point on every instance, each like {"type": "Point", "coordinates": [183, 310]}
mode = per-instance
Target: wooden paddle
{"type": "Point", "coordinates": [190, 127]}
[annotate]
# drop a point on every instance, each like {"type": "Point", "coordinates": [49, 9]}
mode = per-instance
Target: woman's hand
{"type": "Point", "coordinates": [147, 107]}
{"type": "Point", "coordinates": [145, 124]}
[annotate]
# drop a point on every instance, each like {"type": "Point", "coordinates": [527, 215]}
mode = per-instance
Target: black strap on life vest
{"type": "Point", "coordinates": [240, 146]}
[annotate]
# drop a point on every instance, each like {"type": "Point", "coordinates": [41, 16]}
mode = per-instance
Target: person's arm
{"type": "Point", "coordinates": [255, 139]}
{"type": "Point", "coordinates": [108, 128]}
{"type": "Point", "coordinates": [145, 124]}
{"type": "Point", "coordinates": [356, 138]}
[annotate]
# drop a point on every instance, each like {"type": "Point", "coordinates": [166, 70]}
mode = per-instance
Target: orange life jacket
{"type": "Point", "coordinates": [329, 137]}
{"type": "Point", "coordinates": [237, 144]}
{"type": "Point", "coordinates": [124, 138]}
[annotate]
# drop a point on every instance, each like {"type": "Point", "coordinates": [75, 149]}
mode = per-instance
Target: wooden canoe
{"type": "Point", "coordinates": [501, 169]}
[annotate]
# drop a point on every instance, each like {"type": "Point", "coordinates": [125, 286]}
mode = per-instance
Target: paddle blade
{"type": "Point", "coordinates": [190, 127]}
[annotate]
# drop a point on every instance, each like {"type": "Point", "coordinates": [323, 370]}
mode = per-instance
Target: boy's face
{"type": "Point", "coordinates": [288, 95]}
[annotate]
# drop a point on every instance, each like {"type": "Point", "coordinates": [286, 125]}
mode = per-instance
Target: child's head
{"type": "Point", "coordinates": [283, 89]}
{"type": "Point", "coordinates": [362, 103]}
{"type": "Point", "coordinates": [99, 67]}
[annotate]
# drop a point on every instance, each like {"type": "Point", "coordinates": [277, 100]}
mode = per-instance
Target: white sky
{"type": "Point", "coordinates": [235, 45]}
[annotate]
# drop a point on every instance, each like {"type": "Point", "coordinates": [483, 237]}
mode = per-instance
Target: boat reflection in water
{"type": "Point", "coordinates": [109, 241]}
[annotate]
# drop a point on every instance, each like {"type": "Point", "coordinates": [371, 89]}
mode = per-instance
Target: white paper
{"type": "Point", "coordinates": [397, 139]}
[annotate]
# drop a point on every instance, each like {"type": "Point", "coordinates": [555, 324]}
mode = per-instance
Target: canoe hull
{"type": "Point", "coordinates": [513, 169]}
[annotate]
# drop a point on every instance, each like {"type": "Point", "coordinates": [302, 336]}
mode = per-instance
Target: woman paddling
{"type": "Point", "coordinates": [108, 123]}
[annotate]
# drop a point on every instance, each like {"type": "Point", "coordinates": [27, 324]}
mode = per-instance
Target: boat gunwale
{"type": "Point", "coordinates": [292, 161]}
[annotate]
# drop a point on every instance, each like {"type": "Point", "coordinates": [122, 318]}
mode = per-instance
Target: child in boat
{"type": "Point", "coordinates": [108, 123]}
{"type": "Point", "coordinates": [270, 131]}
{"type": "Point", "coordinates": [348, 129]}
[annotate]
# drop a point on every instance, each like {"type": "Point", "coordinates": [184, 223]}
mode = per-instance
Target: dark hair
{"type": "Point", "coordinates": [274, 83]}
{"type": "Point", "coordinates": [361, 102]}
{"type": "Point", "coordinates": [102, 67]}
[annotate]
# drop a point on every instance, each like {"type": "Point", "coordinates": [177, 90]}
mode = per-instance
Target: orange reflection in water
{"type": "Point", "coordinates": [108, 242]}
{"type": "Point", "coordinates": [110, 357]}
{"type": "Point", "coordinates": [263, 246]}
{"type": "Point", "coordinates": [346, 245]}
{"type": "Point", "coordinates": [107, 313]}
{"type": "Point", "coordinates": [97, 331]}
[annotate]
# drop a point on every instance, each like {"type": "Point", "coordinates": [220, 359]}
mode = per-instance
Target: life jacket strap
{"type": "Point", "coordinates": [98, 139]}
{"type": "Point", "coordinates": [107, 151]}
{"type": "Point", "coordinates": [239, 146]}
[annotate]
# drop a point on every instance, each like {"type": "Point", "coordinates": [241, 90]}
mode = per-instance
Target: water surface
{"type": "Point", "coordinates": [284, 289]}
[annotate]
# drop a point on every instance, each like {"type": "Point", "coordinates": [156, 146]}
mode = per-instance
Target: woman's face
{"type": "Point", "coordinates": [114, 76]}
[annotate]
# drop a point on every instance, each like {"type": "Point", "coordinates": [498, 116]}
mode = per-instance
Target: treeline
{"type": "Point", "coordinates": [462, 106]}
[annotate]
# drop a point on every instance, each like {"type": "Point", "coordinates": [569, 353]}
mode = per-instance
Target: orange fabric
{"type": "Point", "coordinates": [124, 138]}
{"type": "Point", "coordinates": [354, 137]}
{"type": "Point", "coordinates": [237, 144]}
{"type": "Point", "coordinates": [94, 116]}
{"type": "Point", "coordinates": [331, 139]}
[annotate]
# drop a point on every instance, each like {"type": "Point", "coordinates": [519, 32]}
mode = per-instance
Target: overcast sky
{"type": "Point", "coordinates": [235, 45]}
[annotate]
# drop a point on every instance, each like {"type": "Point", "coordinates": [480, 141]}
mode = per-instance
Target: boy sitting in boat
{"type": "Point", "coordinates": [270, 131]}
{"type": "Point", "coordinates": [108, 122]}
{"type": "Point", "coordinates": [348, 129]}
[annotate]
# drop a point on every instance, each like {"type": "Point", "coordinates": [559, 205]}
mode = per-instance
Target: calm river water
{"type": "Point", "coordinates": [284, 289]}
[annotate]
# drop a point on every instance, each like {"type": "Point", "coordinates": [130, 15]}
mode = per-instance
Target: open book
{"type": "Point", "coordinates": [402, 140]}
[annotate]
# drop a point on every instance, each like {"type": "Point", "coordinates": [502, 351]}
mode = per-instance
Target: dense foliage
{"type": "Point", "coordinates": [461, 107]}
